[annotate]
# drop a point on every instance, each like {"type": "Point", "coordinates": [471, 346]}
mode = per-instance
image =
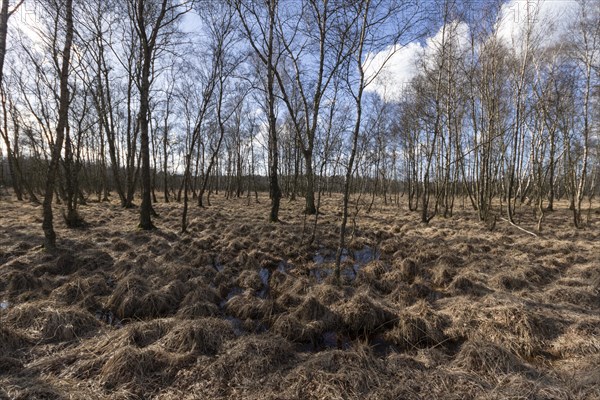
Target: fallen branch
{"type": "Point", "coordinates": [520, 228]}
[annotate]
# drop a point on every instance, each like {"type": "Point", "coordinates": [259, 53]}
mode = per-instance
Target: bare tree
{"type": "Point", "coordinates": [219, 18]}
{"type": "Point", "coordinates": [259, 22]}
{"type": "Point", "coordinates": [370, 28]}
{"type": "Point", "coordinates": [152, 20]}
{"type": "Point", "coordinates": [5, 14]}
{"type": "Point", "coordinates": [317, 27]}
{"type": "Point", "coordinates": [586, 49]}
{"type": "Point", "coordinates": [63, 115]}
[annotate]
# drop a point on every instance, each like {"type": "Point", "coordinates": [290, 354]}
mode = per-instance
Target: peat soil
{"type": "Point", "coordinates": [240, 308]}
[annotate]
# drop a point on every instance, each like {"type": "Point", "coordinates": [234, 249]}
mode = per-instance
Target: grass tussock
{"type": "Point", "coordinates": [135, 368]}
{"type": "Point", "coordinates": [126, 299]}
{"type": "Point", "coordinates": [249, 279]}
{"type": "Point", "coordinates": [19, 282]}
{"type": "Point", "coordinates": [200, 301]}
{"type": "Point", "coordinates": [80, 289]}
{"type": "Point", "coordinates": [363, 315]}
{"type": "Point", "coordinates": [510, 282]}
{"type": "Point", "coordinates": [581, 339]}
{"type": "Point", "coordinates": [134, 299]}
{"type": "Point", "coordinates": [49, 322]}
{"type": "Point", "coordinates": [247, 306]}
{"type": "Point", "coordinates": [249, 359]}
{"type": "Point", "coordinates": [417, 327]}
{"type": "Point", "coordinates": [66, 324]}
{"type": "Point", "coordinates": [307, 322]}
{"type": "Point", "coordinates": [487, 358]}
{"type": "Point", "coordinates": [139, 334]}
{"type": "Point", "coordinates": [442, 275]}
{"type": "Point", "coordinates": [326, 293]}
{"type": "Point", "coordinates": [513, 327]}
{"type": "Point", "coordinates": [203, 336]}
{"type": "Point", "coordinates": [11, 341]}
{"type": "Point", "coordinates": [334, 374]}
{"type": "Point", "coordinates": [578, 296]}
{"type": "Point", "coordinates": [408, 270]}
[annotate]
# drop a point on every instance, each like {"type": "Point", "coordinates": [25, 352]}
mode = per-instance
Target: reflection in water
{"type": "Point", "coordinates": [237, 325]}
{"type": "Point", "coordinates": [264, 276]}
{"type": "Point", "coordinates": [232, 293]}
{"type": "Point", "coordinates": [325, 258]}
{"type": "Point", "coordinates": [334, 340]}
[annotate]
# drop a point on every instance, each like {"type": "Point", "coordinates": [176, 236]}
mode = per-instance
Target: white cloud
{"type": "Point", "coordinates": [546, 21]}
{"type": "Point", "coordinates": [455, 33]}
{"type": "Point", "coordinates": [397, 65]}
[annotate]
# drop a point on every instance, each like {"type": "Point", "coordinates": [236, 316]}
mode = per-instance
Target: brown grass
{"type": "Point", "coordinates": [512, 327]}
{"type": "Point", "coordinates": [418, 326]}
{"type": "Point", "coordinates": [337, 374]}
{"type": "Point", "coordinates": [138, 370]}
{"type": "Point", "coordinates": [134, 299]}
{"type": "Point", "coordinates": [307, 322]}
{"type": "Point", "coordinates": [60, 325]}
{"type": "Point", "coordinates": [200, 301]}
{"type": "Point", "coordinates": [11, 341]}
{"type": "Point", "coordinates": [364, 315]}
{"type": "Point", "coordinates": [250, 358]}
{"type": "Point", "coordinates": [21, 281]}
{"type": "Point", "coordinates": [581, 339]}
{"type": "Point", "coordinates": [487, 358]}
{"type": "Point", "coordinates": [81, 289]}
{"type": "Point", "coordinates": [203, 336]}
{"type": "Point", "coordinates": [449, 310]}
{"type": "Point", "coordinates": [139, 334]}
{"type": "Point", "coordinates": [247, 306]}
{"type": "Point", "coordinates": [46, 321]}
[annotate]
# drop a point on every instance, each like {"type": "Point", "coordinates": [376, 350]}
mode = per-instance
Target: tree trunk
{"type": "Point", "coordinates": [63, 114]}
{"type": "Point", "coordinates": [146, 206]}
{"type": "Point", "coordinates": [311, 209]}
{"type": "Point", "coordinates": [274, 189]}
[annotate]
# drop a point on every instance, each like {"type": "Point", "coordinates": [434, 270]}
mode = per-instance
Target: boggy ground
{"type": "Point", "coordinates": [242, 308]}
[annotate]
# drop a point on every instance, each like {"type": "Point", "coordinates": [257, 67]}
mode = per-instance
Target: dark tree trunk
{"type": "Point", "coordinates": [311, 209]}
{"type": "Point", "coordinates": [274, 189]}
{"type": "Point", "coordinates": [146, 206]}
{"type": "Point", "coordinates": [63, 114]}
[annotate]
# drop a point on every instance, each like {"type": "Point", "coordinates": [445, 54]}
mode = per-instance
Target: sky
{"type": "Point", "coordinates": [549, 20]}
{"type": "Point", "coordinates": [402, 65]}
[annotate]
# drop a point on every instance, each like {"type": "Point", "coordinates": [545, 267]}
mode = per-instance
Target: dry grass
{"type": "Point", "coordinates": [247, 306]}
{"type": "Point", "coordinates": [45, 321]}
{"type": "Point", "coordinates": [487, 358]}
{"type": "Point", "coordinates": [249, 359]}
{"type": "Point", "coordinates": [364, 315]}
{"type": "Point", "coordinates": [67, 324]}
{"type": "Point", "coordinates": [307, 322]}
{"type": "Point", "coordinates": [203, 336]}
{"type": "Point", "coordinates": [11, 341]}
{"type": "Point", "coordinates": [234, 308]}
{"type": "Point", "coordinates": [337, 374]}
{"type": "Point", "coordinates": [418, 326]}
{"type": "Point", "coordinates": [137, 370]}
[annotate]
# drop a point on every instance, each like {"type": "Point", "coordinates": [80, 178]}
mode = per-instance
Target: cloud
{"type": "Point", "coordinates": [455, 32]}
{"type": "Point", "coordinates": [546, 21]}
{"type": "Point", "coordinates": [392, 69]}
